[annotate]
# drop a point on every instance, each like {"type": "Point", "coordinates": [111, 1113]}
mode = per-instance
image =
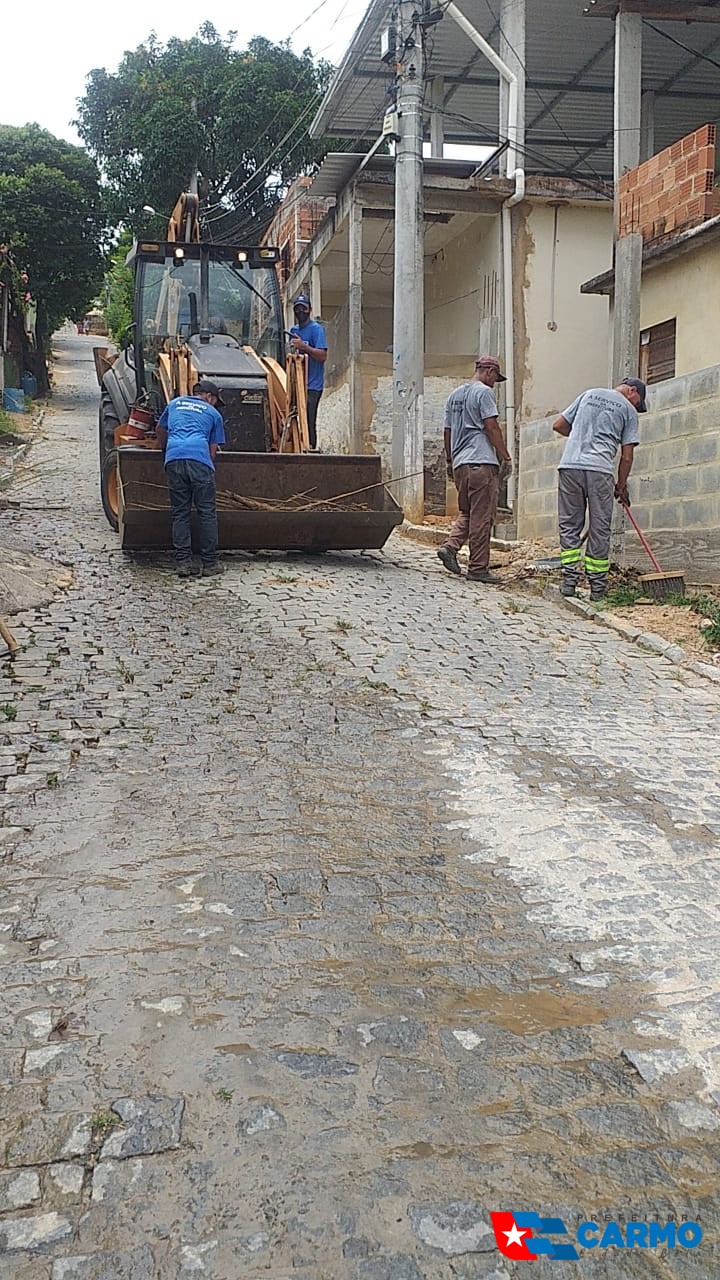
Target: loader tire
{"type": "Point", "coordinates": [109, 488]}
{"type": "Point", "coordinates": [107, 422]}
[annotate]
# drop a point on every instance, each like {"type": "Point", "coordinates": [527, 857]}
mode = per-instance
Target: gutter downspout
{"type": "Point", "coordinates": [515, 171]}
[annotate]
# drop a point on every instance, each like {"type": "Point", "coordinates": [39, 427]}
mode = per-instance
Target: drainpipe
{"type": "Point", "coordinates": [515, 171]}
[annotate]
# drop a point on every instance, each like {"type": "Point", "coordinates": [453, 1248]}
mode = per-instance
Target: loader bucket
{"type": "Point", "coordinates": [266, 501]}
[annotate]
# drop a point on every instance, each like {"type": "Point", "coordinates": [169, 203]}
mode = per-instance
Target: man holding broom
{"type": "Point", "coordinates": [597, 423]}
{"type": "Point", "coordinates": [189, 429]}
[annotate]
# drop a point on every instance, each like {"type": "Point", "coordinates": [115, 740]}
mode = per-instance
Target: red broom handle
{"type": "Point", "coordinates": [642, 538]}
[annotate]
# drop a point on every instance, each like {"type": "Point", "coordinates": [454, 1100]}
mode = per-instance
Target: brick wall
{"type": "Point", "coordinates": [294, 225]}
{"type": "Point", "coordinates": [673, 190]}
{"type": "Point", "coordinates": [674, 485]}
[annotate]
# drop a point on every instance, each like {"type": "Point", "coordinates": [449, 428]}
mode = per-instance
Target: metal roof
{"type": "Point", "coordinates": [338, 168]}
{"type": "Point", "coordinates": [569, 69]}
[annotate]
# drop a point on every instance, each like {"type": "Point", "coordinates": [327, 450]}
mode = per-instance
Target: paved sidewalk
{"type": "Point", "coordinates": [342, 903]}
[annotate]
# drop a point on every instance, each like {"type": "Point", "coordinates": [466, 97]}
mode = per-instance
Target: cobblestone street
{"type": "Point", "coordinates": [342, 903]}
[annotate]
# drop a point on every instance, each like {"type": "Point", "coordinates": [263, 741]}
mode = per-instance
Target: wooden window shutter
{"type": "Point", "coordinates": [657, 352]}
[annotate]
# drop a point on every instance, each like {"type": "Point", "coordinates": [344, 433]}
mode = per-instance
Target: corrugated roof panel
{"type": "Point", "coordinates": [569, 81]}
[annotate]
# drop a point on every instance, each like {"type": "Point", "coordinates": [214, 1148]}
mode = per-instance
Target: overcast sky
{"type": "Point", "coordinates": [47, 56]}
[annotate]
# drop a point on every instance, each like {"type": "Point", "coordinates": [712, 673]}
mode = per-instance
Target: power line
{"type": "Point", "coordinates": [704, 57]}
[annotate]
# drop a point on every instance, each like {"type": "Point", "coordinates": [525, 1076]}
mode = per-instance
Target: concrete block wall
{"type": "Point", "coordinates": [674, 486]}
{"type": "Point", "coordinates": [674, 189]}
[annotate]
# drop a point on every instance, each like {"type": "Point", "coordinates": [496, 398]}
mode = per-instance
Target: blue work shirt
{"type": "Point", "coordinates": [192, 426]}
{"type": "Point", "coordinates": [314, 334]}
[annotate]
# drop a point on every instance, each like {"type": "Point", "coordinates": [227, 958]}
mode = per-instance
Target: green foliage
{"type": "Point", "coordinates": [199, 104]}
{"type": "Point", "coordinates": [708, 607]}
{"type": "Point", "coordinates": [622, 593]}
{"type": "Point", "coordinates": [119, 290]}
{"type": "Point", "coordinates": [50, 216]}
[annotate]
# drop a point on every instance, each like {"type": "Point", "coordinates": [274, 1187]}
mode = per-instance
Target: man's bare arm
{"type": "Point", "coordinates": [562, 426]}
{"type": "Point", "coordinates": [162, 436]}
{"type": "Point", "coordinates": [627, 454]}
{"type": "Point", "coordinates": [496, 438]}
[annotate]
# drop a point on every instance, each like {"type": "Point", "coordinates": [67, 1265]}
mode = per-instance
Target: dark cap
{"type": "Point", "coordinates": [209, 388]}
{"type": "Point", "coordinates": [489, 362]}
{"type": "Point", "coordinates": [302, 300]}
{"type": "Point", "coordinates": [641, 390]}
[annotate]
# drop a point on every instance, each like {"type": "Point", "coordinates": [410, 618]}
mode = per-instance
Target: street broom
{"type": "Point", "coordinates": [659, 585]}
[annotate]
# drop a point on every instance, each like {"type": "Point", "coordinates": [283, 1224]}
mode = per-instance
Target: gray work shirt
{"type": "Point", "coordinates": [601, 422]}
{"type": "Point", "coordinates": [464, 412]}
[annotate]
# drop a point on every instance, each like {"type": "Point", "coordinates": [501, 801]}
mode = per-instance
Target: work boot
{"type": "Point", "coordinates": [484, 575]}
{"type": "Point", "coordinates": [449, 559]}
{"type": "Point", "coordinates": [567, 586]}
{"type": "Point", "coordinates": [598, 591]}
{"type": "Point", "coordinates": [211, 570]}
{"type": "Point", "coordinates": [186, 569]}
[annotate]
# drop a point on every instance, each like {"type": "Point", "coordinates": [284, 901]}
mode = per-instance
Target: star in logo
{"type": "Point", "coordinates": [515, 1236]}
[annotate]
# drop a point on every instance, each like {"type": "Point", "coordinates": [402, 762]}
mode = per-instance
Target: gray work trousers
{"type": "Point", "coordinates": [579, 491]}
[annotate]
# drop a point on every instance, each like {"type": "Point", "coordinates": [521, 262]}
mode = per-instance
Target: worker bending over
{"type": "Point", "coordinates": [190, 428]}
{"type": "Point", "coordinates": [597, 423]}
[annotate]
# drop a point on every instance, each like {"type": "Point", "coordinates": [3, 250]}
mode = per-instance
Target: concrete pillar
{"type": "Point", "coordinates": [355, 237]}
{"type": "Point", "coordinates": [647, 125]}
{"type": "Point", "coordinates": [628, 248]}
{"type": "Point", "coordinates": [408, 284]}
{"type": "Point", "coordinates": [316, 291]}
{"type": "Point", "coordinates": [512, 52]}
{"type": "Point", "coordinates": [437, 122]}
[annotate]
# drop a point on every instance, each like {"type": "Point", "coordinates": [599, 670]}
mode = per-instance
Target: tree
{"type": "Point", "coordinates": [50, 217]}
{"type": "Point", "coordinates": [119, 290]}
{"type": "Point", "coordinates": [239, 117]}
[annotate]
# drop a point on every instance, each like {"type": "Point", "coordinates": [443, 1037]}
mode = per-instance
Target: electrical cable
{"type": "Point", "coordinates": [704, 57]}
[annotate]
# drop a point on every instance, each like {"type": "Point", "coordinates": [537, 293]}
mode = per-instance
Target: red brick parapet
{"type": "Point", "coordinates": [671, 191]}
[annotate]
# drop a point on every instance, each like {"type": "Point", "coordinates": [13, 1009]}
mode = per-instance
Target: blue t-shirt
{"type": "Point", "coordinates": [192, 426]}
{"type": "Point", "coordinates": [314, 334]}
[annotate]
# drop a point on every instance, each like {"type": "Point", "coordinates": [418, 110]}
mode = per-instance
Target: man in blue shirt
{"type": "Point", "coordinates": [190, 430]}
{"type": "Point", "coordinates": [307, 337]}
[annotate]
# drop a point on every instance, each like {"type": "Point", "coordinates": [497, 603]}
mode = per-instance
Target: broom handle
{"type": "Point", "coordinates": [642, 538]}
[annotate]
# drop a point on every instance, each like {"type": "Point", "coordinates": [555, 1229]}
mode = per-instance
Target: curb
{"type": "Point", "coordinates": [643, 639]}
{"type": "Point", "coordinates": [433, 536]}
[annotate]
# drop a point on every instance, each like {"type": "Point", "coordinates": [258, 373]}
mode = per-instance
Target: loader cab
{"type": "Point", "coordinates": [204, 292]}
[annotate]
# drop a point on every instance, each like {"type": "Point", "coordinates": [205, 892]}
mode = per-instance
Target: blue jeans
{"type": "Point", "coordinates": [192, 482]}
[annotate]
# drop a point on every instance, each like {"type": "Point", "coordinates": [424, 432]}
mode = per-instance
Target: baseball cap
{"type": "Point", "coordinates": [302, 300]}
{"type": "Point", "coordinates": [489, 362]}
{"type": "Point", "coordinates": [641, 390]}
{"type": "Point", "coordinates": [210, 389]}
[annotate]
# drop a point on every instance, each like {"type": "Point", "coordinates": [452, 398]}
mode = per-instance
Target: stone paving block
{"type": "Point", "coordinates": [19, 1189]}
{"type": "Point", "coordinates": [150, 1125]}
{"type": "Point", "coordinates": [33, 1234]}
{"type": "Point", "coordinates": [133, 1264]}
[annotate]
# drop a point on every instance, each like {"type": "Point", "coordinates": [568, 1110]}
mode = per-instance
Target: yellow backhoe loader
{"type": "Point", "coordinates": [214, 311]}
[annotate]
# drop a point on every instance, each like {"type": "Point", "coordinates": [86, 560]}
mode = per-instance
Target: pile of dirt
{"type": "Point", "coordinates": [675, 622]}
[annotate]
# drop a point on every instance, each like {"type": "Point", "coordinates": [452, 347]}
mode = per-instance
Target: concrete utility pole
{"type": "Point", "coordinates": [628, 248]}
{"type": "Point", "coordinates": [408, 291]}
{"type": "Point", "coordinates": [355, 238]}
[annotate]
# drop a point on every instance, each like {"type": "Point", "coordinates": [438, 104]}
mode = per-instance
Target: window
{"type": "Point", "coordinates": [657, 352]}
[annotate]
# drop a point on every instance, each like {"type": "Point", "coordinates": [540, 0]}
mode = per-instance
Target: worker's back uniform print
{"type": "Point", "coordinates": [601, 422]}
{"type": "Point", "coordinates": [192, 426]}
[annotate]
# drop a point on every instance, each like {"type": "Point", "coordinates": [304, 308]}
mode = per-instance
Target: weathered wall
{"type": "Point", "coordinates": [442, 373]}
{"type": "Point", "coordinates": [561, 336]}
{"type": "Point", "coordinates": [687, 289]}
{"type": "Point", "coordinates": [674, 486]}
{"type": "Point", "coordinates": [463, 287]}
